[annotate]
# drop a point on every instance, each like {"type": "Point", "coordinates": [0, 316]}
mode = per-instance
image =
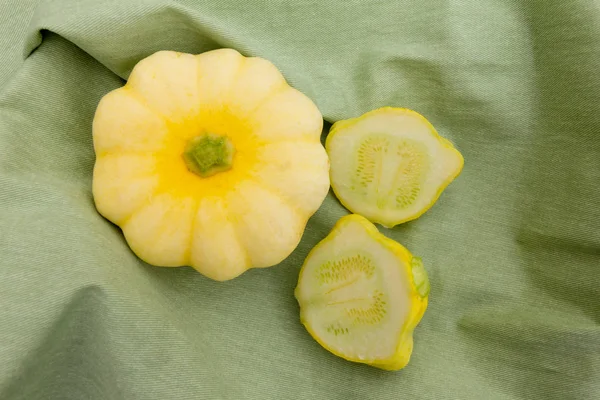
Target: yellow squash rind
{"type": "Point", "coordinates": [250, 214]}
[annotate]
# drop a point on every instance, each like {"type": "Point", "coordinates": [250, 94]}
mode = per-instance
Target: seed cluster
{"type": "Point", "coordinates": [345, 268]}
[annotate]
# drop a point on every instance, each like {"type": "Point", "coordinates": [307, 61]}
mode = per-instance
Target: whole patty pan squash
{"type": "Point", "coordinates": [211, 161]}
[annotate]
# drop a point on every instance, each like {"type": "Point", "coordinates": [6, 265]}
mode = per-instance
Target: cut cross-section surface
{"type": "Point", "coordinates": [390, 165]}
{"type": "Point", "coordinates": [362, 294]}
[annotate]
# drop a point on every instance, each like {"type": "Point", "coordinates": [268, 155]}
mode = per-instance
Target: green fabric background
{"type": "Point", "coordinates": [512, 247]}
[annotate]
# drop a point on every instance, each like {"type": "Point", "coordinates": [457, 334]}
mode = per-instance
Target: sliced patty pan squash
{"type": "Point", "coordinates": [390, 165]}
{"type": "Point", "coordinates": [209, 160]}
{"type": "Point", "coordinates": [361, 295]}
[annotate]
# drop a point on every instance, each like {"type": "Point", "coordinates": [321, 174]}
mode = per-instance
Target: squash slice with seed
{"type": "Point", "coordinates": [390, 165]}
{"type": "Point", "coordinates": [361, 295]}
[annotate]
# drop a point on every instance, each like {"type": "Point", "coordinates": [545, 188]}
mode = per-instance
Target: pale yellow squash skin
{"type": "Point", "coordinates": [250, 216]}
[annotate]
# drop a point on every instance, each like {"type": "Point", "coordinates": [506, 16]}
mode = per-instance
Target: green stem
{"type": "Point", "coordinates": [208, 154]}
